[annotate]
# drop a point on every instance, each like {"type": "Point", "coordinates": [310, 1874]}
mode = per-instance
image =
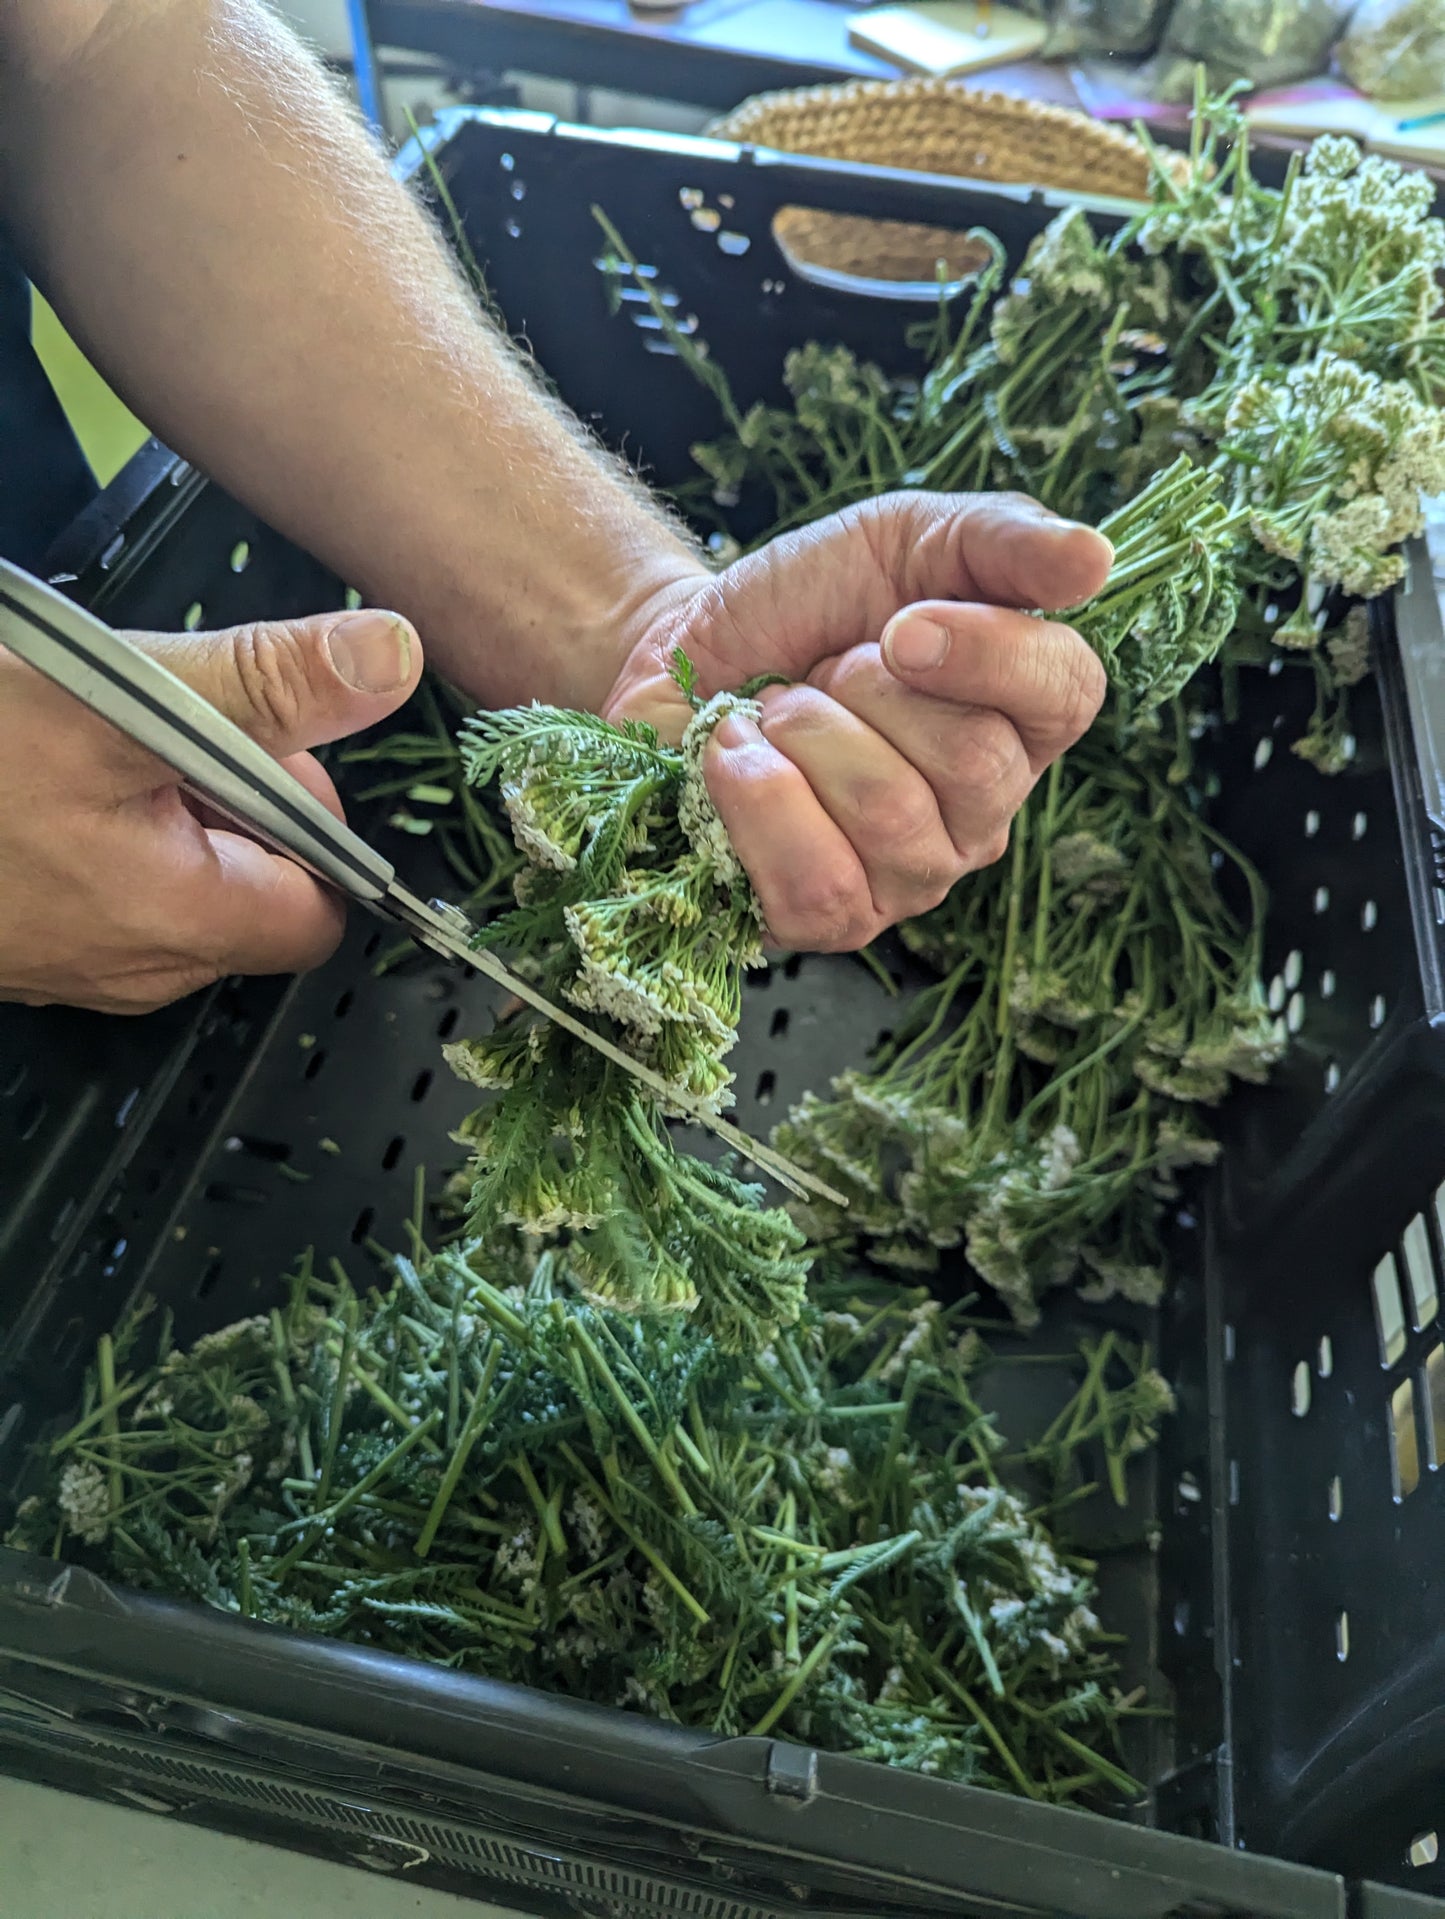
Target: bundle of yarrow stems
{"type": "Point", "coordinates": [632, 906]}
{"type": "Point", "coordinates": [614, 1439]}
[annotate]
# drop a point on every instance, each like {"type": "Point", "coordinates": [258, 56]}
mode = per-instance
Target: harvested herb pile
{"type": "Point", "coordinates": [830, 1540]}
{"type": "Point", "coordinates": [1290, 341]}
{"type": "Point", "coordinates": [611, 1443]}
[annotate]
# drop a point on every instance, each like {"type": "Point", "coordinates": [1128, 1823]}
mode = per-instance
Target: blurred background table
{"type": "Point", "coordinates": [712, 54]}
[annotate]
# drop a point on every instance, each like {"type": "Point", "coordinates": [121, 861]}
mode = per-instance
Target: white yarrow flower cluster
{"type": "Point", "coordinates": [1336, 464]}
{"type": "Point", "coordinates": [696, 814]}
{"type": "Point", "coordinates": [589, 1525]}
{"type": "Point", "coordinates": [84, 1501]}
{"type": "Point", "coordinates": [517, 1559]}
{"type": "Point", "coordinates": [921, 1321]}
{"type": "Point", "coordinates": [230, 1342]}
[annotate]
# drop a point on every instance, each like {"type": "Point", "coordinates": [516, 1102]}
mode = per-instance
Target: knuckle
{"type": "Point", "coordinates": [853, 677]}
{"type": "Point", "coordinates": [149, 991]}
{"type": "Point", "coordinates": [135, 1002]}
{"type": "Point", "coordinates": [989, 852]}
{"type": "Point", "coordinates": [1012, 500]}
{"type": "Point", "coordinates": [902, 814]}
{"type": "Point", "coordinates": [201, 963]}
{"type": "Point", "coordinates": [824, 906]}
{"type": "Point", "coordinates": [993, 767]}
{"type": "Point", "coordinates": [792, 714]}
{"type": "Point", "coordinates": [1081, 685]}
{"type": "Point", "coordinates": [922, 891]}
{"type": "Point", "coordinates": [939, 885]}
{"type": "Point", "coordinates": [928, 876]}
{"type": "Point", "coordinates": [317, 949]}
{"type": "Point", "coordinates": [275, 673]}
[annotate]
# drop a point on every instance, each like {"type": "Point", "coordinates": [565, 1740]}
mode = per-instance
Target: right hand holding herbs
{"type": "Point", "coordinates": [922, 702]}
{"type": "Point", "coordinates": [120, 893]}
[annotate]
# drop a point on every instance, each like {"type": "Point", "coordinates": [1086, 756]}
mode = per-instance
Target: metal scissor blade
{"type": "Point", "coordinates": [445, 929]}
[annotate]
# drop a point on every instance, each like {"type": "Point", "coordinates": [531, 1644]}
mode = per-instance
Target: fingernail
{"type": "Point", "coordinates": [371, 651]}
{"type": "Point", "coordinates": [914, 645]}
{"type": "Point", "coordinates": [736, 730]}
{"type": "Point", "coordinates": [1061, 529]}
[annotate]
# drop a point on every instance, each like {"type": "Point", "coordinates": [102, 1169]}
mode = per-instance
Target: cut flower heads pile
{"type": "Point", "coordinates": [617, 1427]}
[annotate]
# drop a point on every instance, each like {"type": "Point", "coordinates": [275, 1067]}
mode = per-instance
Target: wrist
{"type": "Point", "coordinates": [559, 623]}
{"type": "Point", "coordinates": [644, 610]}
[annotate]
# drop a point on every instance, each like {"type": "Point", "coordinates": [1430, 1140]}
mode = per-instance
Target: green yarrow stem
{"type": "Point", "coordinates": [1172, 596]}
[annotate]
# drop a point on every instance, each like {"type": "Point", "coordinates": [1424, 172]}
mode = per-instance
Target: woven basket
{"type": "Point", "coordinates": [927, 126]}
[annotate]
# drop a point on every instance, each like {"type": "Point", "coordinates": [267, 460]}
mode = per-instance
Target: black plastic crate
{"type": "Point", "coordinates": [1287, 1611]}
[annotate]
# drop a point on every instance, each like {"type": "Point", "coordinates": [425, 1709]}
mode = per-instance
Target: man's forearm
{"type": "Point", "coordinates": [224, 241]}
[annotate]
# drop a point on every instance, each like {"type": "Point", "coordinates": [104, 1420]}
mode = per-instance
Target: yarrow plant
{"type": "Point", "coordinates": [632, 906]}
{"type": "Point", "coordinates": [1039, 1105]}
{"type": "Point", "coordinates": [1333, 464]}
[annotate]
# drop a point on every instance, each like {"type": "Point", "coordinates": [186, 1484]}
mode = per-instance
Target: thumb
{"type": "Point", "coordinates": [294, 684]}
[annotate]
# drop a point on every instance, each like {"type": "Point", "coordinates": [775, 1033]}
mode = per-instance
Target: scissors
{"type": "Point", "coordinates": [240, 780]}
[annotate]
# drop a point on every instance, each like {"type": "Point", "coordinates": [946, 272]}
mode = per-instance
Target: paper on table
{"type": "Point", "coordinates": [945, 37]}
{"type": "Point", "coordinates": [1326, 106]}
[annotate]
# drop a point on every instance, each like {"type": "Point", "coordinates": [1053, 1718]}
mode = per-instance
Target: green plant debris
{"type": "Point", "coordinates": [830, 1540]}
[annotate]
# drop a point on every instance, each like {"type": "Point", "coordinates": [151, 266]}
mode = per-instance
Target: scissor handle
{"type": "Point", "coordinates": [213, 756]}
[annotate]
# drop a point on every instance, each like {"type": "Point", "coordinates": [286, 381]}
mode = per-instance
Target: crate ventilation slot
{"type": "Point", "coordinates": [1404, 1440]}
{"type": "Point", "coordinates": [1418, 1260]}
{"type": "Point", "coordinates": [1342, 1636]}
{"type": "Point", "coordinates": [637, 303]}
{"type": "Point", "coordinates": [1389, 1311]}
{"type": "Point", "coordinates": [1299, 1398]}
{"type": "Point", "coordinates": [709, 219]}
{"type": "Point", "coordinates": [1432, 1388]}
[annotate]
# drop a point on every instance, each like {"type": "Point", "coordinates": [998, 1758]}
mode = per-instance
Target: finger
{"type": "Point", "coordinates": [294, 684]}
{"type": "Point", "coordinates": [1038, 673]}
{"type": "Point", "coordinates": [306, 768]}
{"type": "Point", "coordinates": [880, 801]}
{"type": "Point", "coordinates": [810, 883]}
{"type": "Point", "coordinates": [970, 759]}
{"type": "Point", "coordinates": [258, 912]}
{"type": "Point", "coordinates": [1004, 548]}
{"type": "Point", "coordinates": [813, 594]}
